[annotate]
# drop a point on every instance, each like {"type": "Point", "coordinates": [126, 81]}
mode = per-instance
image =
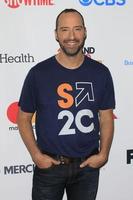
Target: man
{"type": "Point", "coordinates": [73, 98]}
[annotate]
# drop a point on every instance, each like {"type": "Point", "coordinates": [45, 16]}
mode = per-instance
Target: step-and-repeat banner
{"type": "Point", "coordinates": [26, 38]}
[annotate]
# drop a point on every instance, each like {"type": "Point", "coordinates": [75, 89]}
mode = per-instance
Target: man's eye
{"type": "Point", "coordinates": [64, 30]}
{"type": "Point", "coordinates": [78, 29]}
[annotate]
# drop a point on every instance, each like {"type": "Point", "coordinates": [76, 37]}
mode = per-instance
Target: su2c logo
{"type": "Point", "coordinates": [103, 2]}
{"type": "Point", "coordinates": [85, 91]}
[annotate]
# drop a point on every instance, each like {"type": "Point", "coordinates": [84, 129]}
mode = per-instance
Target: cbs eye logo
{"type": "Point", "coordinates": [12, 112]}
{"type": "Point", "coordinates": [85, 2]}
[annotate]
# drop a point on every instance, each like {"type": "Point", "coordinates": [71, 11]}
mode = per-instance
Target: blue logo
{"type": "Point", "coordinates": [128, 62]}
{"type": "Point", "coordinates": [103, 2]}
{"type": "Point", "coordinates": [85, 2]}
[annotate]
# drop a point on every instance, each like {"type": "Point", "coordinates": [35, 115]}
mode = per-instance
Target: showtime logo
{"type": "Point", "coordinates": [17, 3]}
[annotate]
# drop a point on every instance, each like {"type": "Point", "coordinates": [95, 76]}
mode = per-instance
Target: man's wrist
{"type": "Point", "coordinates": [103, 155]}
{"type": "Point", "coordinates": [35, 154]}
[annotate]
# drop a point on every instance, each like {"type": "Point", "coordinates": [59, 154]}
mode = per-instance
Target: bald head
{"type": "Point", "coordinates": [69, 11]}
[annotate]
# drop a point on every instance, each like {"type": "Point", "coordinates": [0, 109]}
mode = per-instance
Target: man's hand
{"type": "Point", "coordinates": [44, 161]}
{"type": "Point", "coordinates": [95, 161]}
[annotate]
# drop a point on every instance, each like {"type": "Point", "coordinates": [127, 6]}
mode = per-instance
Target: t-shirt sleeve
{"type": "Point", "coordinates": [108, 97]}
{"type": "Point", "coordinates": [27, 100]}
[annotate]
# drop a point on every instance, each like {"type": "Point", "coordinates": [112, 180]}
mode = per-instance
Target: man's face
{"type": "Point", "coordinates": [70, 33]}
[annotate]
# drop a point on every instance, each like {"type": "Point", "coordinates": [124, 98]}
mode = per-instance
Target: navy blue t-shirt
{"type": "Point", "coordinates": [67, 104]}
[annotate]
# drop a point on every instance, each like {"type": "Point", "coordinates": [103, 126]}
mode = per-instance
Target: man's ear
{"type": "Point", "coordinates": [85, 33]}
{"type": "Point", "coordinates": [56, 37]}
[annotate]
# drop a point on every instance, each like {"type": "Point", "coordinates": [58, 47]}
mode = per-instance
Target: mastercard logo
{"type": "Point", "coordinates": [12, 112]}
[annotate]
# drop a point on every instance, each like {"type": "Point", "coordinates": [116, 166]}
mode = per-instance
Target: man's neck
{"type": "Point", "coordinates": [70, 62]}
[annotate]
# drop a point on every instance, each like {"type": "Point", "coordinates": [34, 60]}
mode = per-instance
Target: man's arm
{"type": "Point", "coordinates": [106, 131]}
{"type": "Point", "coordinates": [106, 120]}
{"type": "Point", "coordinates": [24, 122]}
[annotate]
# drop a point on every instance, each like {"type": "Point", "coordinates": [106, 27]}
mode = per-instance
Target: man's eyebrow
{"type": "Point", "coordinates": [78, 26]}
{"type": "Point", "coordinates": [64, 27]}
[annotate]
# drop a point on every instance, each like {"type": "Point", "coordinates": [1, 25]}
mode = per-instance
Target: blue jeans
{"type": "Point", "coordinates": [79, 183]}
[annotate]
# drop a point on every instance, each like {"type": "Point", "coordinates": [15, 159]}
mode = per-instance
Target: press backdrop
{"type": "Point", "coordinates": [26, 38]}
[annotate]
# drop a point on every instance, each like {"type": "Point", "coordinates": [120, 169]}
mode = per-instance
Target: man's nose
{"type": "Point", "coordinates": [71, 34]}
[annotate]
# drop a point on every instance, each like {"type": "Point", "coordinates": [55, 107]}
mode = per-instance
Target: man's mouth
{"type": "Point", "coordinates": [71, 43]}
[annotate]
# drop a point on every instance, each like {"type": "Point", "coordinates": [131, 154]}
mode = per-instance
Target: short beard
{"type": "Point", "coordinates": [71, 54]}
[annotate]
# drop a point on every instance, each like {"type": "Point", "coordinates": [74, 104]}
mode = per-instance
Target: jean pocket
{"type": "Point", "coordinates": [91, 168]}
{"type": "Point", "coordinates": [44, 169]}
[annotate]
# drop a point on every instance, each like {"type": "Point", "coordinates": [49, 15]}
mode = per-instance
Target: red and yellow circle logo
{"type": "Point", "coordinates": [12, 112]}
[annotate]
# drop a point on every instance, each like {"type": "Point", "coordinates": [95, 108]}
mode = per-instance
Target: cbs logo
{"type": "Point", "coordinates": [103, 3]}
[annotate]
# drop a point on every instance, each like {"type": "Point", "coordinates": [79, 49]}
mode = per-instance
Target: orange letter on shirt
{"type": "Point", "coordinates": [68, 99]}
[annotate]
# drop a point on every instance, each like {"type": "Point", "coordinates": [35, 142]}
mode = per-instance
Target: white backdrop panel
{"type": "Point", "coordinates": [27, 37]}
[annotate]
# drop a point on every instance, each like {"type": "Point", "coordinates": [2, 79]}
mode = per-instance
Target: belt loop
{"type": "Point", "coordinates": [62, 160]}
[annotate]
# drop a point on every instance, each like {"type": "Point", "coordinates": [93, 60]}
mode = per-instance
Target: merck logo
{"type": "Point", "coordinates": [17, 3]}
